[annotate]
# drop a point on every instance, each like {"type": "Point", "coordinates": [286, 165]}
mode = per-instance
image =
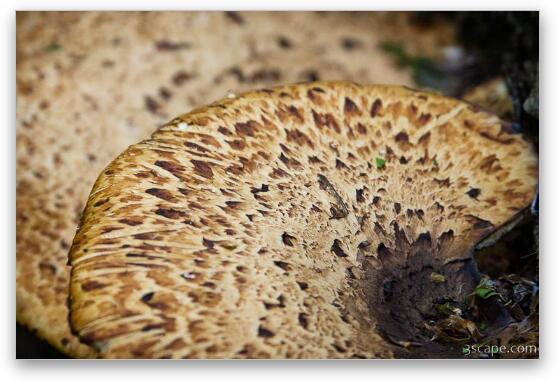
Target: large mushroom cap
{"type": "Point", "coordinates": [301, 221]}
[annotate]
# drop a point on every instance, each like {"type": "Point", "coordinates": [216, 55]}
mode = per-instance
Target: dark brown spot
{"type": "Point", "coordinates": [360, 195]}
{"type": "Point", "coordinates": [350, 43]}
{"type": "Point", "coordinates": [196, 147]}
{"type": "Point", "coordinates": [325, 120]}
{"type": "Point", "coordinates": [165, 93]}
{"type": "Point", "coordinates": [497, 139]}
{"type": "Point", "coordinates": [364, 245]}
{"type": "Point", "coordinates": [289, 162]}
{"type": "Point", "coordinates": [424, 118]}
{"type": "Point", "coordinates": [293, 111]}
{"type": "Point", "coordinates": [288, 240]}
{"type": "Point", "coordinates": [397, 207]}
{"type": "Point", "coordinates": [337, 250]}
{"type": "Point", "coordinates": [173, 168]}
{"type": "Point", "coordinates": [339, 348]}
{"type": "Point", "coordinates": [64, 244]}
{"type": "Point", "coordinates": [202, 168]}
{"type": "Point", "coordinates": [445, 238]}
{"type": "Point", "coordinates": [302, 319]}
{"type": "Point", "coordinates": [277, 173]}
{"type": "Point", "coordinates": [490, 164]}
{"type": "Point", "coordinates": [313, 159]}
{"type": "Point", "coordinates": [478, 223]}
{"type": "Point", "coordinates": [474, 192]}
{"type": "Point", "coordinates": [264, 188]}
{"type": "Point", "coordinates": [238, 73]}
{"type": "Point", "coordinates": [284, 42]}
{"type": "Point", "coordinates": [235, 17]}
{"type": "Point", "coordinates": [340, 164]}
{"type": "Point", "coordinates": [280, 304]}
{"type": "Point", "coordinates": [170, 213]}
{"type": "Point", "coordinates": [224, 131]}
{"type": "Point", "coordinates": [166, 45]}
{"type": "Point", "coordinates": [424, 237]}
{"type": "Point", "coordinates": [180, 77]}
{"type": "Point", "coordinates": [110, 229]}
{"type": "Point", "coordinates": [145, 236]}
{"type": "Point", "coordinates": [237, 144]}
{"type": "Point", "coordinates": [310, 75]}
{"type": "Point", "coordinates": [442, 182]}
{"type": "Point", "coordinates": [147, 297]}
{"type": "Point", "coordinates": [382, 250]}
{"type": "Point", "coordinates": [208, 243]}
{"type": "Point", "coordinates": [297, 136]}
{"type": "Point", "coordinates": [232, 203]}
{"type": "Point", "coordinates": [263, 332]}
{"type": "Point", "coordinates": [91, 285]}
{"type": "Point", "coordinates": [151, 104]}
{"type": "Point", "coordinates": [149, 327]}
{"type": "Point", "coordinates": [130, 221]}
{"type": "Point", "coordinates": [161, 194]}
{"type": "Point", "coordinates": [439, 206]}
{"type": "Point", "coordinates": [424, 139]}
{"type": "Point", "coordinates": [247, 128]}
{"type": "Point", "coordinates": [376, 107]}
{"type": "Point", "coordinates": [378, 229]}
{"type": "Point", "coordinates": [302, 285]}
{"type": "Point", "coordinates": [420, 213]}
{"type": "Point", "coordinates": [282, 265]}
{"type": "Point", "coordinates": [350, 107]}
{"type": "Point", "coordinates": [264, 74]}
{"type": "Point", "coordinates": [401, 137]}
{"type": "Point", "coordinates": [350, 273]}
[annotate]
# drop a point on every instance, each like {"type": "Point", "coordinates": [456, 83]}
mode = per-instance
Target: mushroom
{"type": "Point", "coordinates": [317, 220]}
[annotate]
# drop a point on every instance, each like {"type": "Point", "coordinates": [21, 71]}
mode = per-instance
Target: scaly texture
{"type": "Point", "coordinates": [91, 83]}
{"type": "Point", "coordinates": [293, 222]}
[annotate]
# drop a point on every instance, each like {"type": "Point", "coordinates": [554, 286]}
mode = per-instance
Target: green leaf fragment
{"type": "Point", "coordinates": [380, 162]}
{"type": "Point", "coordinates": [436, 278]}
{"type": "Point", "coordinates": [484, 293]}
{"type": "Point", "coordinates": [52, 47]}
{"type": "Point", "coordinates": [486, 288]}
{"type": "Point", "coordinates": [445, 309]}
{"type": "Point", "coordinates": [397, 50]}
{"type": "Point", "coordinates": [424, 70]}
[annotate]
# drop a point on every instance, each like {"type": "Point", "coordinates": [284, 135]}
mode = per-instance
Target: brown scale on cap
{"type": "Point", "coordinates": [306, 259]}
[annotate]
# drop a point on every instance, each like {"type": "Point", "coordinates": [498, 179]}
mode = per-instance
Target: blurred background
{"type": "Point", "coordinates": [91, 83]}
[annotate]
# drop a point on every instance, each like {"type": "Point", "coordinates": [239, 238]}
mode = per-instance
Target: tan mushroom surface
{"type": "Point", "coordinates": [302, 221]}
{"type": "Point", "coordinates": [91, 83]}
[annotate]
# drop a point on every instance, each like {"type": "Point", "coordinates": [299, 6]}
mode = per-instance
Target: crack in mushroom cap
{"type": "Point", "coordinates": [293, 222]}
